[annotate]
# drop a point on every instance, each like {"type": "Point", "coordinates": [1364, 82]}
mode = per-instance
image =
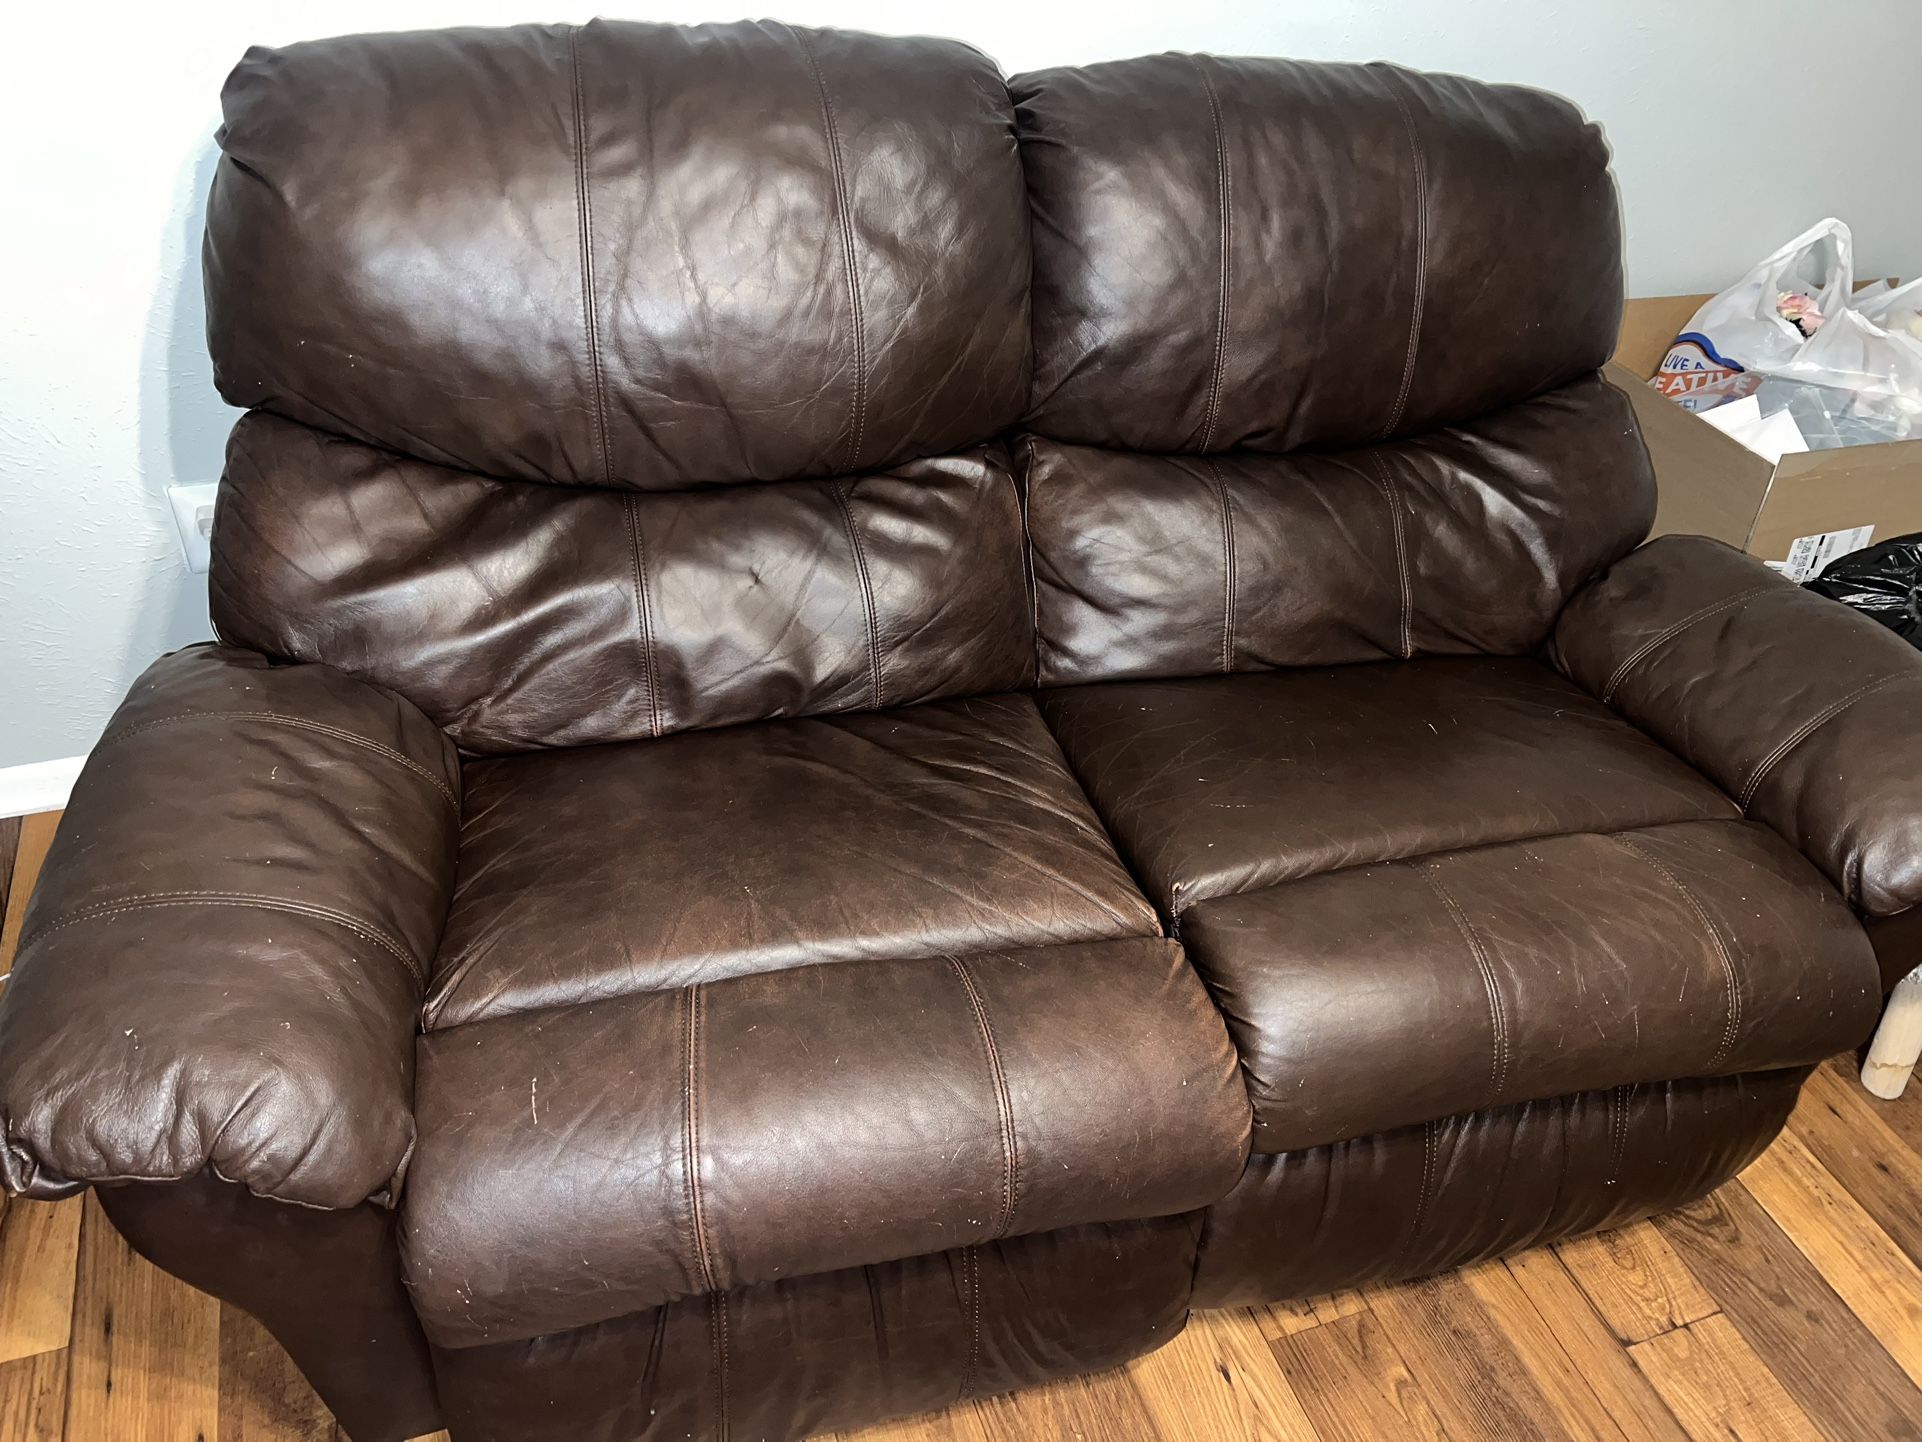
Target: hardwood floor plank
{"type": "Point", "coordinates": [1280, 1319]}
{"type": "Point", "coordinates": [1855, 1256]}
{"type": "Point", "coordinates": [33, 1398]}
{"type": "Point", "coordinates": [1354, 1385]}
{"type": "Point", "coordinates": [1592, 1348]}
{"type": "Point", "coordinates": [956, 1425]}
{"type": "Point", "coordinates": [36, 835]}
{"type": "Point", "coordinates": [1104, 1407]}
{"type": "Point", "coordinates": [1719, 1387]}
{"type": "Point", "coordinates": [39, 1247]}
{"type": "Point", "coordinates": [263, 1397]}
{"type": "Point", "coordinates": [1849, 1134]}
{"type": "Point", "coordinates": [145, 1358]}
{"type": "Point", "coordinates": [1217, 1380]}
{"type": "Point", "coordinates": [1804, 1333]}
{"type": "Point", "coordinates": [39, 1241]}
{"type": "Point", "coordinates": [1903, 1116]}
{"type": "Point", "coordinates": [1634, 1279]}
{"type": "Point", "coordinates": [1468, 1370]}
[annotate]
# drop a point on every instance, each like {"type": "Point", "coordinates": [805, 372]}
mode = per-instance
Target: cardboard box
{"type": "Point", "coordinates": [1800, 512]}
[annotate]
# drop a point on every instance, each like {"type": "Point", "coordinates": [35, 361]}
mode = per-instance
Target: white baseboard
{"type": "Point", "coordinates": [40, 786]}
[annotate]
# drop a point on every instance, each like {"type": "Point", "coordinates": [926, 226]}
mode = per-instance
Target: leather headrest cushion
{"type": "Point", "coordinates": [626, 255]}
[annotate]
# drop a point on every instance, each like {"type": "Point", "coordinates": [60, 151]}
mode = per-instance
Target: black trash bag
{"type": "Point", "coordinates": [1883, 582]}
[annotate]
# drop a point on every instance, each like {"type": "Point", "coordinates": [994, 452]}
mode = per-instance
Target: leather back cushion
{"type": "Point", "coordinates": [626, 255]}
{"type": "Point", "coordinates": [1265, 254]}
{"type": "Point", "coordinates": [520, 616]}
{"type": "Point", "coordinates": [1465, 540]}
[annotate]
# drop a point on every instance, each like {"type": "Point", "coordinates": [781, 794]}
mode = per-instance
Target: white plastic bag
{"type": "Point", "coordinates": [1897, 310]}
{"type": "Point", "coordinates": [1852, 352]}
{"type": "Point", "coordinates": [1747, 328]}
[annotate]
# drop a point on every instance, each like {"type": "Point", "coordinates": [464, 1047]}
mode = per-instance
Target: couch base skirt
{"type": "Point", "coordinates": [793, 1358]}
{"type": "Point", "coordinates": [843, 1349]}
{"type": "Point", "coordinates": [1425, 1199]}
{"type": "Point", "coordinates": [326, 1284]}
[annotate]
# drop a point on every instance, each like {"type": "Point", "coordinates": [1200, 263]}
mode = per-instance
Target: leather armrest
{"type": "Point", "coordinates": [222, 966]}
{"type": "Point", "coordinates": [1807, 713]}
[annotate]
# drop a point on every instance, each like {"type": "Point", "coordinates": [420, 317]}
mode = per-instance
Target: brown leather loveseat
{"type": "Point", "coordinates": [878, 727]}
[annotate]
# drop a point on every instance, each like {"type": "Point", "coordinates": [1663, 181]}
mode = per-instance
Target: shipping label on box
{"type": "Point", "coordinates": [1809, 554]}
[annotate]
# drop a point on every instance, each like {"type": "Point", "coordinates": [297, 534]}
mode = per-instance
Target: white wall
{"type": "Point", "coordinates": [1733, 127]}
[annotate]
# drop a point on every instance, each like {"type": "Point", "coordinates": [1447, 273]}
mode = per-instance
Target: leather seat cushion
{"type": "Point", "coordinates": [948, 827]}
{"type": "Point", "coordinates": [1384, 996]}
{"type": "Point", "coordinates": [582, 1164]}
{"type": "Point", "coordinates": [1225, 784]}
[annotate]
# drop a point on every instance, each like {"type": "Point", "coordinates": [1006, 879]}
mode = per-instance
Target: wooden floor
{"type": "Point", "coordinates": [1787, 1305]}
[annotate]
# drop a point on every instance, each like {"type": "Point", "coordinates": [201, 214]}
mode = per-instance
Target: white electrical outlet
{"type": "Point", "coordinates": [194, 514]}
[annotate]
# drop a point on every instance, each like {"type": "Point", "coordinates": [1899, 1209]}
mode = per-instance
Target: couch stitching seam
{"type": "Point", "coordinates": [857, 323]}
{"type": "Point", "coordinates": [362, 929]}
{"type": "Point", "coordinates": [1225, 202]}
{"type": "Point", "coordinates": [846, 504]}
{"type": "Point", "coordinates": [691, 1130]}
{"type": "Point", "coordinates": [1669, 633]}
{"type": "Point", "coordinates": [1802, 733]}
{"type": "Point", "coordinates": [584, 210]}
{"type": "Point", "coordinates": [717, 1324]}
{"type": "Point", "coordinates": [1391, 493]}
{"type": "Point", "coordinates": [1620, 1132]}
{"type": "Point", "coordinates": [643, 613]}
{"type": "Point", "coordinates": [1004, 1106]}
{"type": "Point", "coordinates": [277, 718]}
{"type": "Point", "coordinates": [971, 1270]}
{"type": "Point", "coordinates": [1421, 264]}
{"type": "Point", "coordinates": [1497, 1010]}
{"type": "Point", "coordinates": [1024, 503]}
{"type": "Point", "coordinates": [1729, 974]}
{"type": "Point", "coordinates": [1230, 579]}
{"type": "Point", "coordinates": [1429, 1147]}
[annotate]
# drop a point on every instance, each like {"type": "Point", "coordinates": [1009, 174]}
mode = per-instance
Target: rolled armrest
{"type": "Point", "coordinates": [1808, 714]}
{"type": "Point", "coordinates": [222, 966]}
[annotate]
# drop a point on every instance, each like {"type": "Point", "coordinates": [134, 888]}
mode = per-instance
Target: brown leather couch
{"type": "Point", "coordinates": [878, 727]}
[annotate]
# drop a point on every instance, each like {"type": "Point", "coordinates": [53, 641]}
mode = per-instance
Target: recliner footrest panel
{"type": "Point", "coordinates": [588, 1162]}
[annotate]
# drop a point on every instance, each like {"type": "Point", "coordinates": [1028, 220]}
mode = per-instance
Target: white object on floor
{"type": "Point", "coordinates": [38, 786]}
{"type": "Point", "coordinates": [1898, 1041]}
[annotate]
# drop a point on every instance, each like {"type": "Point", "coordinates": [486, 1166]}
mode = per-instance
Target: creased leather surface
{"type": "Point", "coordinates": [1462, 541]}
{"type": "Point", "coordinates": [579, 1164]}
{"type": "Point", "coordinates": [1266, 254]}
{"type": "Point", "coordinates": [1224, 784]}
{"type": "Point", "coordinates": [520, 616]}
{"type": "Point", "coordinates": [222, 964]}
{"type": "Point", "coordinates": [1534, 969]}
{"type": "Point", "coordinates": [1801, 709]}
{"type": "Point", "coordinates": [809, 1355]}
{"type": "Point", "coordinates": [1457, 1191]}
{"type": "Point", "coordinates": [639, 256]}
{"type": "Point", "coordinates": [947, 828]}
{"type": "Point", "coordinates": [625, 380]}
{"type": "Point", "coordinates": [325, 1283]}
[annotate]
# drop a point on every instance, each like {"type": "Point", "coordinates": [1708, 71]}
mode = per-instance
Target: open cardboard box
{"type": "Point", "coordinates": [1800, 512]}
